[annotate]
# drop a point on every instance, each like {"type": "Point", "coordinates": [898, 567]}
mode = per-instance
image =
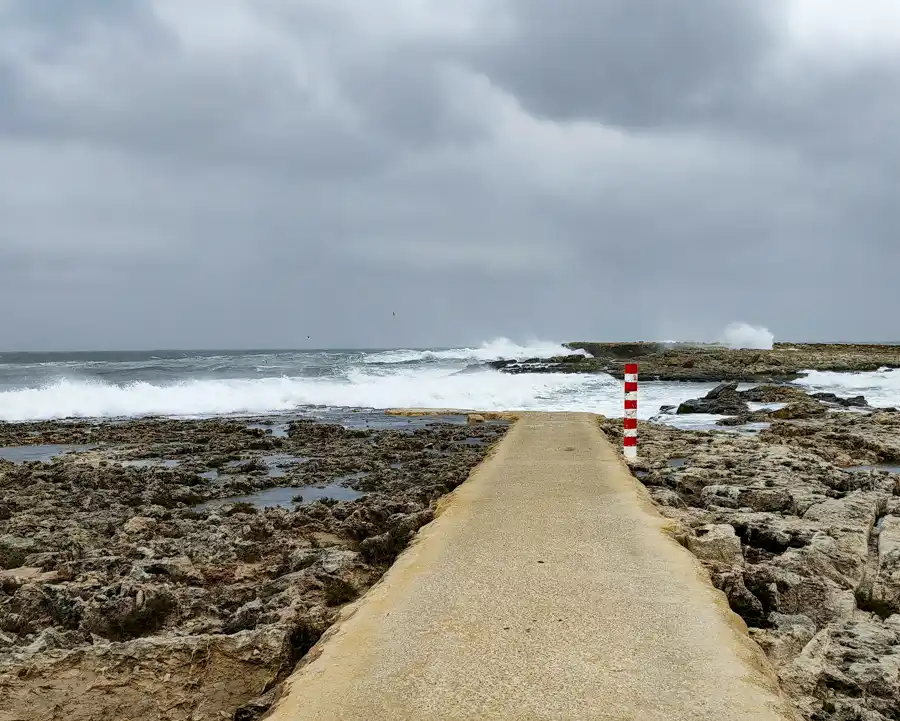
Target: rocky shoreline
{"type": "Point", "coordinates": [799, 526]}
{"type": "Point", "coordinates": [141, 576]}
{"type": "Point", "coordinates": [698, 363]}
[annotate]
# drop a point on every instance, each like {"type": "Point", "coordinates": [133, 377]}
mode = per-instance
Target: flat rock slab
{"type": "Point", "coordinates": [547, 588]}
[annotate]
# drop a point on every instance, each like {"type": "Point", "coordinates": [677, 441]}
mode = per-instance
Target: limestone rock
{"type": "Point", "coordinates": [886, 587]}
{"type": "Point", "coordinates": [793, 411]}
{"type": "Point", "coordinates": [757, 499]}
{"type": "Point", "coordinates": [851, 669]}
{"type": "Point", "coordinates": [190, 676]}
{"type": "Point", "coordinates": [139, 525]}
{"type": "Point", "coordinates": [14, 549]}
{"type": "Point", "coordinates": [716, 543]}
{"type": "Point", "coordinates": [789, 637]}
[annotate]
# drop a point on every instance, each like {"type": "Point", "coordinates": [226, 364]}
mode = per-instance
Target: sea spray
{"type": "Point", "coordinates": [361, 387]}
{"type": "Point", "coordinates": [497, 349]}
{"type": "Point", "coordinates": [744, 335]}
{"type": "Point", "coordinates": [881, 387]}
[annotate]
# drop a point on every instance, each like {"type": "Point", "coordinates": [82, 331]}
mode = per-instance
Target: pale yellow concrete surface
{"type": "Point", "coordinates": [546, 589]}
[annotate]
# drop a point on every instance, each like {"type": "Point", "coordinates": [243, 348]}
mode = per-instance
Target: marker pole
{"type": "Point", "coordinates": [631, 388]}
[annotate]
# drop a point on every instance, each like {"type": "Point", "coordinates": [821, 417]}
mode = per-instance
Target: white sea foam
{"type": "Point", "coordinates": [384, 380]}
{"type": "Point", "coordinates": [497, 349]}
{"type": "Point", "coordinates": [426, 388]}
{"type": "Point", "coordinates": [881, 387]}
{"type": "Point", "coordinates": [744, 335]}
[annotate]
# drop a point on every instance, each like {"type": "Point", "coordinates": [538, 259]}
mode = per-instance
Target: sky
{"type": "Point", "coordinates": [247, 173]}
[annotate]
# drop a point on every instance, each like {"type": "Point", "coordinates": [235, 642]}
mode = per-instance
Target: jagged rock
{"type": "Point", "coordinates": [857, 511]}
{"type": "Point", "coordinates": [335, 560]}
{"type": "Point", "coordinates": [790, 635]}
{"type": "Point", "coordinates": [886, 585]}
{"type": "Point", "coordinates": [179, 569]}
{"type": "Point", "coordinates": [194, 677]}
{"type": "Point", "coordinates": [853, 402]}
{"type": "Point", "coordinates": [666, 497]}
{"type": "Point", "coordinates": [246, 617]}
{"type": "Point", "coordinates": [817, 572]}
{"type": "Point", "coordinates": [46, 640]}
{"type": "Point", "coordinates": [127, 612]}
{"type": "Point", "coordinates": [721, 400]}
{"type": "Point", "coordinates": [772, 394]}
{"type": "Point", "coordinates": [793, 411]}
{"type": "Point", "coordinates": [727, 388]}
{"type": "Point", "coordinates": [14, 550]}
{"type": "Point", "coordinates": [849, 669]}
{"type": "Point", "coordinates": [742, 601]}
{"type": "Point", "coordinates": [256, 708]}
{"type": "Point", "coordinates": [716, 543]}
{"type": "Point", "coordinates": [27, 574]}
{"type": "Point", "coordinates": [139, 525]}
{"type": "Point", "coordinates": [757, 499]}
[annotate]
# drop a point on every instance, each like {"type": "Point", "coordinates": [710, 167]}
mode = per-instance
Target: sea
{"type": "Point", "coordinates": [320, 383]}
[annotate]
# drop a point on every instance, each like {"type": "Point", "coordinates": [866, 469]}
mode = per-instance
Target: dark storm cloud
{"type": "Point", "coordinates": [234, 173]}
{"type": "Point", "coordinates": [637, 63]}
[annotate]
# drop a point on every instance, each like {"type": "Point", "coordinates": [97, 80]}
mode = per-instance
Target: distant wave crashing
{"type": "Point", "coordinates": [744, 335]}
{"type": "Point", "coordinates": [497, 349]}
{"type": "Point", "coordinates": [881, 387]}
{"type": "Point", "coordinates": [366, 384]}
{"type": "Point", "coordinates": [389, 379]}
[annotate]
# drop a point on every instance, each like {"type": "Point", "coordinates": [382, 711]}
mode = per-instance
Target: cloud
{"type": "Point", "coordinates": [232, 173]}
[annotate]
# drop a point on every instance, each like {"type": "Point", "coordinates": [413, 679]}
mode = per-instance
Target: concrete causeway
{"type": "Point", "coordinates": [547, 588]}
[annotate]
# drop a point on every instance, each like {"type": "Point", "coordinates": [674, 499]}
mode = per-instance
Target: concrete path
{"type": "Point", "coordinates": [546, 589]}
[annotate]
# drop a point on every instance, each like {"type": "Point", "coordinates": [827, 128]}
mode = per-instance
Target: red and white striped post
{"type": "Point", "coordinates": [631, 387]}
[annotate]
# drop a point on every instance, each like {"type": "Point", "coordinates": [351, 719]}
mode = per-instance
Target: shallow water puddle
{"type": "Point", "coordinates": [151, 463]}
{"type": "Point", "coordinates": [279, 430]}
{"type": "Point", "coordinates": [746, 428]}
{"type": "Point", "coordinates": [277, 465]}
{"type": "Point", "coordinates": [286, 496]}
{"type": "Point", "coordinates": [889, 468]}
{"type": "Point", "coordinates": [21, 454]}
{"type": "Point", "coordinates": [677, 462]}
{"type": "Point", "coordinates": [280, 464]}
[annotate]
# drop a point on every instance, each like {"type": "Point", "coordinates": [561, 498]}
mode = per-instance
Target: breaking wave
{"type": "Point", "coordinates": [881, 387]}
{"type": "Point", "coordinates": [497, 349]}
{"type": "Point", "coordinates": [488, 390]}
{"type": "Point", "coordinates": [744, 335]}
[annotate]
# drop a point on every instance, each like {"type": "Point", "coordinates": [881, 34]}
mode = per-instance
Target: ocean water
{"type": "Point", "coordinates": [43, 386]}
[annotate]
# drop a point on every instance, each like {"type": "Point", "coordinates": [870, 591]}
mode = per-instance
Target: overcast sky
{"type": "Point", "coordinates": [244, 173]}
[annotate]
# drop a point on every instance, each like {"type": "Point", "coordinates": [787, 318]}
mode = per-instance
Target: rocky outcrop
{"type": "Point", "coordinates": [711, 363]}
{"type": "Point", "coordinates": [884, 595]}
{"type": "Point", "coordinates": [176, 678]}
{"type": "Point", "coordinates": [717, 543]}
{"type": "Point", "coordinates": [724, 399]}
{"type": "Point", "coordinates": [806, 551]}
{"type": "Point", "coordinates": [849, 670]}
{"type": "Point", "coordinates": [853, 402]}
{"type": "Point", "coordinates": [148, 592]}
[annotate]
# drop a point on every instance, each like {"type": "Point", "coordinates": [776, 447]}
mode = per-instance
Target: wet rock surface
{"type": "Point", "coordinates": [125, 594]}
{"type": "Point", "coordinates": [805, 547]}
{"type": "Point", "coordinates": [708, 363]}
{"type": "Point", "coordinates": [792, 404]}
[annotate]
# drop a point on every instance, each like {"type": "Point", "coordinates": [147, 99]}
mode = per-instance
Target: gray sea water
{"type": "Point", "coordinates": [39, 386]}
